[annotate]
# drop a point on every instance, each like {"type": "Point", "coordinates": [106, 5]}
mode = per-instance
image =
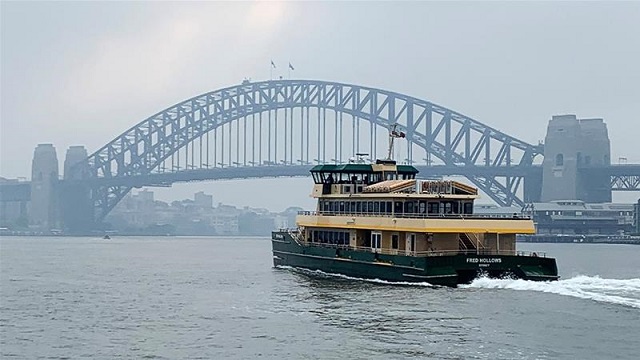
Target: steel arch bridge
{"type": "Point", "coordinates": [293, 123]}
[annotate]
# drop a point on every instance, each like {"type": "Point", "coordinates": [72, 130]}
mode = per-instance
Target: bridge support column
{"type": "Point", "coordinates": [572, 144]}
{"type": "Point", "coordinates": [75, 195]}
{"type": "Point", "coordinates": [44, 214]}
{"type": "Point", "coordinates": [77, 208]}
{"type": "Point", "coordinates": [532, 186]}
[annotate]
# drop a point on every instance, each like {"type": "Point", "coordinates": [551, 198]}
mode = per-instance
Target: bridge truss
{"type": "Point", "coordinates": [625, 182]}
{"type": "Point", "coordinates": [293, 123]}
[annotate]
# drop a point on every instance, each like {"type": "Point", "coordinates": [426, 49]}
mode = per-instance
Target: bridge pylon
{"type": "Point", "coordinates": [572, 145]}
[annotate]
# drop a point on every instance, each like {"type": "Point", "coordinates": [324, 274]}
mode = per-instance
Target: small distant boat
{"type": "Point", "coordinates": [107, 237]}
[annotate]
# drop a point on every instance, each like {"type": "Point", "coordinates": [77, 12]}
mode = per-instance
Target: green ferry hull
{"type": "Point", "coordinates": [447, 270]}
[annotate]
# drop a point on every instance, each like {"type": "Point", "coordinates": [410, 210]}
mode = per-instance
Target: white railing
{"type": "Point", "coordinates": [413, 216]}
{"type": "Point", "coordinates": [385, 251]}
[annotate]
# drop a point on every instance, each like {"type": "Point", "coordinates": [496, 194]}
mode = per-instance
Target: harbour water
{"type": "Point", "coordinates": [218, 298]}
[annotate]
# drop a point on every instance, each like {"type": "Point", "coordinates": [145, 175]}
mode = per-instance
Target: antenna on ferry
{"type": "Point", "coordinates": [393, 133]}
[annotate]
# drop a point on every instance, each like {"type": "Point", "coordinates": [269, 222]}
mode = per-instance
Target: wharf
{"type": "Point", "coordinates": [580, 239]}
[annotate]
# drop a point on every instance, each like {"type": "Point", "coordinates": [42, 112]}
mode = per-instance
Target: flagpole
{"type": "Point", "coordinates": [290, 68]}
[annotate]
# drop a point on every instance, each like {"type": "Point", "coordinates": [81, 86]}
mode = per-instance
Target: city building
{"type": "Point", "coordinates": [140, 213]}
{"type": "Point", "coordinates": [14, 206]}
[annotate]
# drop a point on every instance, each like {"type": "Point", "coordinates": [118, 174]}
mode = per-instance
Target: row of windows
{"type": "Point", "coordinates": [358, 178]}
{"type": "Point", "coordinates": [581, 213]}
{"type": "Point", "coordinates": [330, 237]}
{"type": "Point", "coordinates": [397, 207]}
{"type": "Point", "coordinates": [581, 161]}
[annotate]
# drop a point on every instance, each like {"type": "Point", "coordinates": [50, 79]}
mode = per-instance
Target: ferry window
{"type": "Point", "coordinates": [359, 189]}
{"type": "Point", "coordinates": [341, 206]}
{"type": "Point", "coordinates": [397, 207]}
{"type": "Point", "coordinates": [408, 207]}
{"type": "Point", "coordinates": [455, 207]}
{"type": "Point", "coordinates": [347, 206]}
{"type": "Point", "coordinates": [353, 206]}
{"type": "Point", "coordinates": [376, 206]}
{"type": "Point", "coordinates": [358, 206]}
{"type": "Point", "coordinates": [468, 208]}
{"type": "Point", "coordinates": [376, 240]}
{"type": "Point", "coordinates": [347, 189]}
{"type": "Point", "coordinates": [422, 207]}
{"type": "Point", "coordinates": [447, 207]}
{"type": "Point", "coordinates": [370, 206]}
{"type": "Point", "coordinates": [394, 241]}
{"type": "Point", "coordinates": [389, 207]}
{"type": "Point", "coordinates": [434, 207]}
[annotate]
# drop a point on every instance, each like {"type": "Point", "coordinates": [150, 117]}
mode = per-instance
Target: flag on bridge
{"type": "Point", "coordinates": [291, 66]}
{"type": "Point", "coordinates": [273, 65]}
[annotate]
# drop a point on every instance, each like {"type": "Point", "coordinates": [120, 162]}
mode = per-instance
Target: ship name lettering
{"type": "Point", "coordinates": [484, 260]}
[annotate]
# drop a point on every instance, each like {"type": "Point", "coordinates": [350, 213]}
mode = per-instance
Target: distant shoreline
{"type": "Point", "coordinates": [580, 239]}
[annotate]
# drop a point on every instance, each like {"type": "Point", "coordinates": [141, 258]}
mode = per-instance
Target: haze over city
{"type": "Point", "coordinates": [82, 73]}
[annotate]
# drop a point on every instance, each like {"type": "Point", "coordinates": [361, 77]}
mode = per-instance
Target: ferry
{"type": "Point", "coordinates": [378, 221]}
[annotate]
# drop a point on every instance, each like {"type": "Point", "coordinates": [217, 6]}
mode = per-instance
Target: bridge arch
{"type": "Point", "coordinates": [152, 146]}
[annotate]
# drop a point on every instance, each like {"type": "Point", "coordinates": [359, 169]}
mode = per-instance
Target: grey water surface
{"type": "Point", "coordinates": [220, 298]}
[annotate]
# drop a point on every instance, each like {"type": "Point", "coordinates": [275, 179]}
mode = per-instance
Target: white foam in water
{"type": "Point", "coordinates": [614, 291]}
{"type": "Point", "coordinates": [341, 276]}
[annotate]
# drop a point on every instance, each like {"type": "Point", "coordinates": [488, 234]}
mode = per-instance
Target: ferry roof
{"type": "Point", "coordinates": [359, 168]}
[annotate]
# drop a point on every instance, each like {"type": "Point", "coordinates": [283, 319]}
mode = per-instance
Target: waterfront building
{"type": "Point", "coordinates": [569, 217]}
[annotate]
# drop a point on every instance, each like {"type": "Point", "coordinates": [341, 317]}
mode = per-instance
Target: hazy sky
{"type": "Point", "coordinates": [81, 73]}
